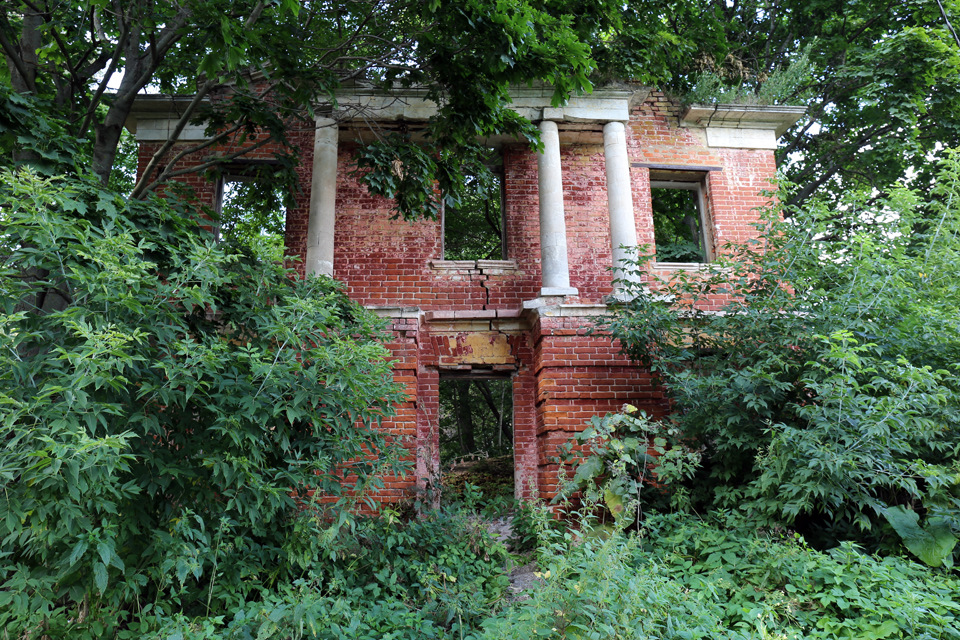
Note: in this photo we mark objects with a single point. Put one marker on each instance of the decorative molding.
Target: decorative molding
(777, 118)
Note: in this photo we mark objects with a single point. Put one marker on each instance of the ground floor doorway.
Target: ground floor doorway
(476, 436)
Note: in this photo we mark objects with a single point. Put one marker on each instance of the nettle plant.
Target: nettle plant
(627, 460)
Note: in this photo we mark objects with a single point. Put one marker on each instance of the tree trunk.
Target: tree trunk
(464, 414)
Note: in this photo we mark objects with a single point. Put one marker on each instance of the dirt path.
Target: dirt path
(522, 578)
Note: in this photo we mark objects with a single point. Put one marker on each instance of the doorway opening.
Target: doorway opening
(476, 437)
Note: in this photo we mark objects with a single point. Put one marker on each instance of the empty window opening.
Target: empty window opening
(474, 229)
(252, 202)
(476, 436)
(679, 224)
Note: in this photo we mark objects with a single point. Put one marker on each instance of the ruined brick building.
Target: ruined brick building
(566, 213)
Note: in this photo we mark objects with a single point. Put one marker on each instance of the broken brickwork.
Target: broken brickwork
(495, 317)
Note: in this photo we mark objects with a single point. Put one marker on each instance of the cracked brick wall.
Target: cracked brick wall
(456, 316)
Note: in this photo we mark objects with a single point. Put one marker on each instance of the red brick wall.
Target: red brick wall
(561, 376)
(579, 376)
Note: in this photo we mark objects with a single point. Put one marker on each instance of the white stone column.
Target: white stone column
(623, 226)
(323, 200)
(555, 271)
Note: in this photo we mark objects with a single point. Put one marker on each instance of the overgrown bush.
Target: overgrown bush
(824, 394)
(724, 579)
(627, 461)
(433, 577)
(771, 584)
(169, 406)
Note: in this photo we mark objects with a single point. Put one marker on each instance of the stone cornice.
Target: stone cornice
(777, 118)
(152, 115)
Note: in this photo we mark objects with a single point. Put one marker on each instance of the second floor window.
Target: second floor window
(474, 230)
(252, 201)
(679, 218)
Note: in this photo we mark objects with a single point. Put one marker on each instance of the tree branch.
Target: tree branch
(102, 87)
(837, 164)
(11, 51)
(166, 175)
(141, 187)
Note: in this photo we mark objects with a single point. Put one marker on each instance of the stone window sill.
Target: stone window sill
(483, 265)
(680, 266)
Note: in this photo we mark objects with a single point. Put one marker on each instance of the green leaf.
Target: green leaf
(100, 576)
(614, 502)
(589, 469)
(883, 630)
(932, 545)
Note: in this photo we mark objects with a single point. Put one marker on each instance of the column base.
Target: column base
(558, 291)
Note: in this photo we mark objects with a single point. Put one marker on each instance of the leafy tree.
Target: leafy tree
(824, 395)
(256, 67)
(165, 426)
(880, 79)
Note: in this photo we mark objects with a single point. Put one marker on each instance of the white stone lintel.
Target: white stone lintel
(159, 129)
(394, 312)
(554, 309)
(741, 138)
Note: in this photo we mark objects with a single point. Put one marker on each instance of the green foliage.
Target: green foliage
(825, 391)
(723, 579)
(627, 455)
(771, 584)
(432, 577)
(258, 69)
(933, 544)
(253, 208)
(677, 225)
(473, 230)
(726, 86)
(471, 53)
(593, 589)
(880, 81)
(168, 408)
(444, 563)
(528, 522)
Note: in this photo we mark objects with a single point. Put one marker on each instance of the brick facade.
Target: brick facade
(448, 318)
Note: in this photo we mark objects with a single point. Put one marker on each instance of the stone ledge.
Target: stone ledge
(680, 266)
(497, 264)
(559, 310)
(440, 315)
(394, 312)
(474, 265)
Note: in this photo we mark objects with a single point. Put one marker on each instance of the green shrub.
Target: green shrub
(169, 405)
(724, 579)
(378, 578)
(444, 562)
(592, 588)
(767, 582)
(628, 457)
(825, 392)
